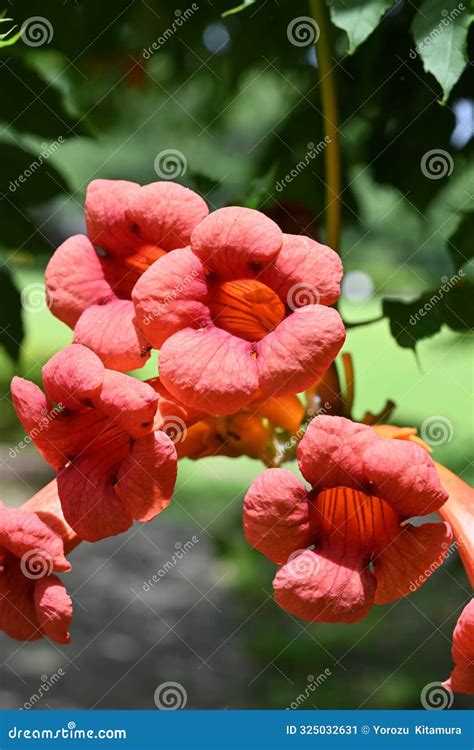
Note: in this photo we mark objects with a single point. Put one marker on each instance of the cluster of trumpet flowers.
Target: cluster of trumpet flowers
(243, 318)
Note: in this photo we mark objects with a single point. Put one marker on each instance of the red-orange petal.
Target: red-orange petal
(409, 560)
(458, 511)
(110, 331)
(53, 608)
(146, 479)
(276, 520)
(462, 676)
(325, 586)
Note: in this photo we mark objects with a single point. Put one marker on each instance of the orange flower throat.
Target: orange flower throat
(246, 308)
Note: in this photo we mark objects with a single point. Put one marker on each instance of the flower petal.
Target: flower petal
(337, 452)
(286, 412)
(458, 511)
(109, 330)
(304, 272)
(169, 296)
(53, 608)
(410, 559)
(75, 280)
(321, 586)
(130, 403)
(165, 213)
(27, 537)
(107, 225)
(47, 506)
(88, 498)
(17, 611)
(209, 369)
(299, 350)
(35, 411)
(58, 435)
(404, 474)
(147, 477)
(330, 452)
(276, 515)
(172, 415)
(73, 376)
(236, 242)
(462, 676)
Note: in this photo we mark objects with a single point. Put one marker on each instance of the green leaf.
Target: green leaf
(461, 243)
(30, 178)
(458, 307)
(238, 8)
(11, 325)
(450, 304)
(27, 179)
(19, 232)
(410, 322)
(358, 18)
(28, 104)
(440, 30)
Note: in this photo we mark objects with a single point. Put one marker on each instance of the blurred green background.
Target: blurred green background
(241, 104)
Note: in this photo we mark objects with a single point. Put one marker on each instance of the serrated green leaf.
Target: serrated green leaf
(358, 18)
(440, 30)
(11, 325)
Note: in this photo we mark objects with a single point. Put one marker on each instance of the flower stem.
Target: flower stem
(330, 119)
